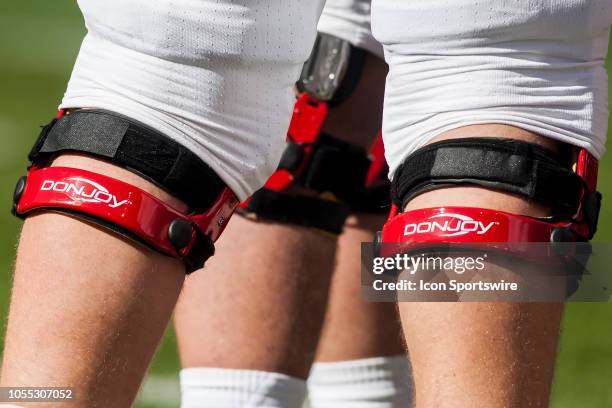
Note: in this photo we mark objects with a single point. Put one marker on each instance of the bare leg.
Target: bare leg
(88, 309)
(261, 301)
(270, 288)
(353, 328)
(482, 354)
(360, 358)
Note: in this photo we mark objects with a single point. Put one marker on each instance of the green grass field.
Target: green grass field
(41, 39)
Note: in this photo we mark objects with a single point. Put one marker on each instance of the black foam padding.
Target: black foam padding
(507, 165)
(203, 249)
(292, 157)
(337, 167)
(342, 168)
(311, 212)
(375, 200)
(132, 145)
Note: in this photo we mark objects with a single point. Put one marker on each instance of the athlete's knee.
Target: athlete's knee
(484, 190)
(469, 81)
(559, 183)
(82, 233)
(322, 177)
(129, 180)
(358, 119)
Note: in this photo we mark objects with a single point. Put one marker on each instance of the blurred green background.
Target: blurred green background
(40, 40)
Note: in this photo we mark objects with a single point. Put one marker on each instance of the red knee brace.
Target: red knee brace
(119, 206)
(125, 209)
(429, 227)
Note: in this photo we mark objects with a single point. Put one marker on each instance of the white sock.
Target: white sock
(229, 388)
(379, 382)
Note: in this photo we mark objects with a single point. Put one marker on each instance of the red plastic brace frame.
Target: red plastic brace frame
(305, 127)
(468, 225)
(120, 204)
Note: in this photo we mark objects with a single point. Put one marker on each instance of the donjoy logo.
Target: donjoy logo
(449, 225)
(84, 190)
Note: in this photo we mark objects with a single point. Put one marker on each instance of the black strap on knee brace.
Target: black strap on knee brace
(342, 176)
(335, 166)
(119, 206)
(312, 212)
(564, 183)
(117, 139)
(512, 166)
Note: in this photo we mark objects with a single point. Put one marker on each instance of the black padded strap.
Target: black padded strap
(375, 199)
(501, 164)
(338, 167)
(335, 167)
(143, 150)
(310, 212)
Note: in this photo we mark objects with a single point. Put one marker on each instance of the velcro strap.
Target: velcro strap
(310, 212)
(375, 199)
(342, 169)
(134, 146)
(500, 164)
(337, 167)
